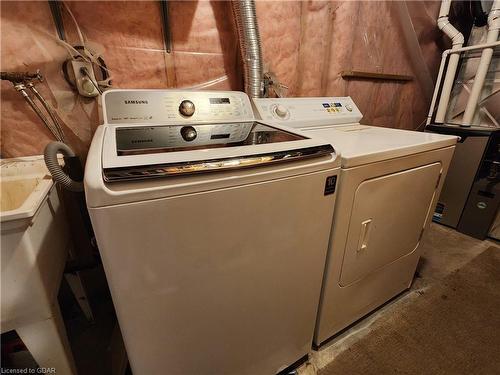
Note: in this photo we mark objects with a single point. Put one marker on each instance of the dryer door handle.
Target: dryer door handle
(364, 235)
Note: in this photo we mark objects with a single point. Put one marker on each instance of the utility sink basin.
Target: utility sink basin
(34, 247)
(24, 185)
(16, 192)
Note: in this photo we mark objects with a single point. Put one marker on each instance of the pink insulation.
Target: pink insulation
(306, 44)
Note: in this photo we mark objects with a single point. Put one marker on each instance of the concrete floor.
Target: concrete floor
(444, 250)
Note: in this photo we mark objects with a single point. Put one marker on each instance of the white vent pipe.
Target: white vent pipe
(249, 38)
(484, 63)
(441, 70)
(457, 40)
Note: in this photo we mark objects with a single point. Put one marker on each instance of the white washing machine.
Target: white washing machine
(213, 230)
(390, 181)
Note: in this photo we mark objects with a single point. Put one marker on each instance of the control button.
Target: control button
(188, 133)
(281, 110)
(348, 107)
(186, 108)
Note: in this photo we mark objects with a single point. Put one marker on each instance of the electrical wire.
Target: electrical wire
(86, 55)
(78, 31)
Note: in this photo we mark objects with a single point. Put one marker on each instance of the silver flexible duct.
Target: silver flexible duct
(50, 157)
(249, 39)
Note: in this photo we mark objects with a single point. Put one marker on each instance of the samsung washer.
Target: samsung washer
(213, 230)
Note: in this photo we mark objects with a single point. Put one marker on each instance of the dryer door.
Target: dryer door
(388, 216)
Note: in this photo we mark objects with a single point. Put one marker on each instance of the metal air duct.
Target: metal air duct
(249, 40)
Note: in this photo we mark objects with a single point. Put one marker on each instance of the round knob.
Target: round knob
(188, 133)
(348, 107)
(281, 110)
(186, 108)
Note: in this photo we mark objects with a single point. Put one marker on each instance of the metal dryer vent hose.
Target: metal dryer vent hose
(50, 157)
(249, 39)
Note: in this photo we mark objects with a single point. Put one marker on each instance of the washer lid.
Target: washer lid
(100, 193)
(144, 140)
(139, 152)
(362, 144)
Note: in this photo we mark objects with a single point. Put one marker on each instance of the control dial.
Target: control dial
(186, 108)
(188, 133)
(281, 111)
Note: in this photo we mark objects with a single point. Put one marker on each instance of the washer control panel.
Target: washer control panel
(307, 112)
(174, 106)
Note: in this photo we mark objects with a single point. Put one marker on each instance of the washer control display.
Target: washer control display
(219, 101)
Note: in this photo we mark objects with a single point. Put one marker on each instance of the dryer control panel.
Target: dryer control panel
(307, 112)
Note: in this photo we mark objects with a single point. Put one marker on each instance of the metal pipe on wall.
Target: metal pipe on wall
(250, 45)
(457, 40)
(484, 63)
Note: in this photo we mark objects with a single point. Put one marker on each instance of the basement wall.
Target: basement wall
(305, 44)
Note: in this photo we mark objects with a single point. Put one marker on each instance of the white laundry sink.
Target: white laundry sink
(34, 247)
(22, 196)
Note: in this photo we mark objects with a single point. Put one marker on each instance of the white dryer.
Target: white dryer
(390, 181)
(213, 230)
